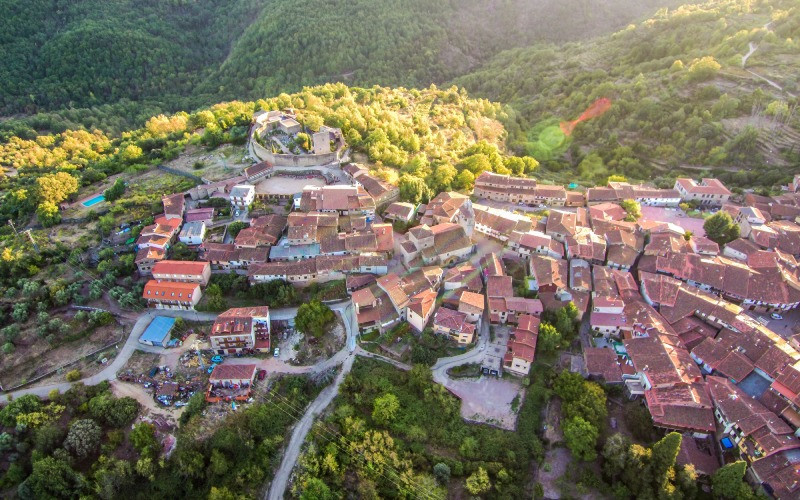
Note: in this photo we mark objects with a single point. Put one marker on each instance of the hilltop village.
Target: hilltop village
(622, 279)
(694, 329)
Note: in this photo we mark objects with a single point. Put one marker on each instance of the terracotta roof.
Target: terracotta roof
(704, 463)
(561, 222)
(602, 362)
(238, 320)
(401, 210)
(706, 186)
(499, 286)
(423, 302)
(149, 253)
(169, 290)
(180, 267)
(471, 302)
(453, 320)
(233, 372)
(199, 214)
(174, 204)
(735, 366)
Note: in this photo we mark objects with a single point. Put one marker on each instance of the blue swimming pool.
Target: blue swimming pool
(94, 201)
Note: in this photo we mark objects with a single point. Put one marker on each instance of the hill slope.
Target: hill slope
(185, 53)
(680, 95)
(87, 52)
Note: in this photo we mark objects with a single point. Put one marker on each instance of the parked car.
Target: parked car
(216, 359)
(277, 352)
(262, 374)
(775, 316)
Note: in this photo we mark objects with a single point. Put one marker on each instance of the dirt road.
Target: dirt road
(140, 394)
(301, 430)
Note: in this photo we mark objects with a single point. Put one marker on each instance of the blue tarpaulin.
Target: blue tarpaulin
(157, 332)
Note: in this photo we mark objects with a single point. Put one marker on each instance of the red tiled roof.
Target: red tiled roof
(169, 290)
(233, 372)
(182, 267)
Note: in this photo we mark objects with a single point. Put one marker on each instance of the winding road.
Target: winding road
(345, 357)
(752, 48)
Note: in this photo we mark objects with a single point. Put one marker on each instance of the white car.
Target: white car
(277, 352)
(775, 316)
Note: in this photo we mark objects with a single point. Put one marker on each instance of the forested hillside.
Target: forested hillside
(401, 42)
(181, 54)
(58, 54)
(680, 95)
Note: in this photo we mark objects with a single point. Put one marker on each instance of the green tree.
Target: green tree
(566, 320)
(57, 187)
(106, 223)
(51, 478)
(469, 447)
(316, 489)
(143, 439)
(615, 454)
(581, 438)
(235, 227)
(441, 472)
(632, 208)
(721, 228)
(591, 405)
(314, 318)
(116, 191)
(116, 412)
(704, 69)
(385, 408)
(214, 299)
(413, 189)
(6, 442)
(73, 375)
(549, 337)
(728, 482)
(28, 403)
(478, 483)
(48, 214)
(83, 438)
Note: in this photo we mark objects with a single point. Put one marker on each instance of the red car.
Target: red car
(262, 374)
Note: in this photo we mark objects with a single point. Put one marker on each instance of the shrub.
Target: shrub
(73, 375)
(83, 438)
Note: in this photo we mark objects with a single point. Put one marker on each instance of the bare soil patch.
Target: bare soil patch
(221, 163)
(308, 350)
(35, 356)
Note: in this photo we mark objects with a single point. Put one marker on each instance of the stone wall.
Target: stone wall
(284, 160)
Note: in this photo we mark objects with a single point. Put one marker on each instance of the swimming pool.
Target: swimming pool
(94, 201)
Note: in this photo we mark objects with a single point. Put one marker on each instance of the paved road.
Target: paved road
(109, 372)
(474, 355)
(344, 309)
(301, 430)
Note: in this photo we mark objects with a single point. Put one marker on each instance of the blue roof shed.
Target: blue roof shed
(157, 332)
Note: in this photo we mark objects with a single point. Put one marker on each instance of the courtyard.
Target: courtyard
(287, 186)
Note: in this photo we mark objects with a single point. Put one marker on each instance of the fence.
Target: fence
(181, 173)
(65, 365)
